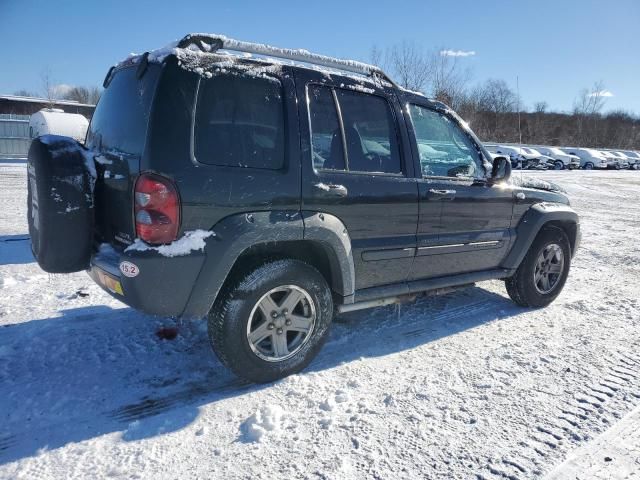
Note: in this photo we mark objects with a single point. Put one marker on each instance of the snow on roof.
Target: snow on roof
(19, 98)
(194, 45)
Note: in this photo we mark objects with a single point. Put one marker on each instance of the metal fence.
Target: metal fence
(14, 136)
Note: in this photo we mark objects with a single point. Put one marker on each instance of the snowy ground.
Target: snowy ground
(462, 386)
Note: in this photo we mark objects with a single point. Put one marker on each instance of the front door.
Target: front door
(357, 166)
(464, 221)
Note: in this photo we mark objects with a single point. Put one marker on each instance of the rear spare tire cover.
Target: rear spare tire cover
(60, 203)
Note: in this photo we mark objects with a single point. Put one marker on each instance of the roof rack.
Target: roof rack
(210, 43)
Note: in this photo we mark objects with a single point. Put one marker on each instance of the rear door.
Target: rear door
(356, 165)
(464, 221)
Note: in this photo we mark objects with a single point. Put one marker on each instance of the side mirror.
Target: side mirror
(501, 170)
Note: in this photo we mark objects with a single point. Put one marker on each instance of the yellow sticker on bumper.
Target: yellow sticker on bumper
(109, 282)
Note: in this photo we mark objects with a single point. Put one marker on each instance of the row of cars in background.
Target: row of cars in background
(538, 157)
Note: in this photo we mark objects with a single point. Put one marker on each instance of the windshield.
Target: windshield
(119, 124)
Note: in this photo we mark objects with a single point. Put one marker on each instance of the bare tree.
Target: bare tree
(87, 95)
(47, 86)
(587, 108)
(591, 101)
(25, 93)
(448, 80)
(376, 56)
(496, 98)
(409, 65)
(540, 107)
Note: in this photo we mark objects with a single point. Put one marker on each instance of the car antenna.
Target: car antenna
(519, 127)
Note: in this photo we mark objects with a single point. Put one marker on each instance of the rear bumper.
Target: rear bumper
(160, 286)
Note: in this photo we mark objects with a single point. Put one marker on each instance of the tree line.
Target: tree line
(495, 111)
(53, 92)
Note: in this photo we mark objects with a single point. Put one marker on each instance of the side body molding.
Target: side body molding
(329, 232)
(234, 235)
(531, 223)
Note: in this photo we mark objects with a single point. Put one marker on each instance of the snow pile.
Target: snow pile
(267, 420)
(191, 241)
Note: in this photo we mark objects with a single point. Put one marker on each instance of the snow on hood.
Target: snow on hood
(531, 182)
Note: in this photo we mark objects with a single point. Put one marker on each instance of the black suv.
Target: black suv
(268, 194)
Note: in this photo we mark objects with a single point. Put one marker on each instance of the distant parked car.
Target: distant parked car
(53, 121)
(625, 161)
(619, 161)
(590, 158)
(634, 159)
(561, 160)
(520, 158)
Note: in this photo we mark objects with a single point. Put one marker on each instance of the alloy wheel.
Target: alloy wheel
(280, 323)
(548, 268)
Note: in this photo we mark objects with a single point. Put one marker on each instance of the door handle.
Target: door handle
(332, 190)
(442, 194)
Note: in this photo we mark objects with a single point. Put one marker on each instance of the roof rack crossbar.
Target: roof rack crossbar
(211, 43)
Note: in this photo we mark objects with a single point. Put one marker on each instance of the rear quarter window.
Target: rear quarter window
(240, 122)
(119, 123)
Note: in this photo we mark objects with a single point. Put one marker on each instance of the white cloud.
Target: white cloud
(601, 93)
(457, 53)
(60, 90)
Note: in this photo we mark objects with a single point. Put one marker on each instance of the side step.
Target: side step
(409, 291)
(408, 298)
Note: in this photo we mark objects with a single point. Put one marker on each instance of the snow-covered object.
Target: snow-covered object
(196, 46)
(53, 121)
(264, 421)
(191, 241)
(60, 145)
(538, 183)
(205, 41)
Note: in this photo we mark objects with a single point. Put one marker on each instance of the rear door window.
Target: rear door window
(362, 139)
(240, 122)
(370, 134)
(326, 134)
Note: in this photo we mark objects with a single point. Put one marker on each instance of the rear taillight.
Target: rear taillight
(156, 209)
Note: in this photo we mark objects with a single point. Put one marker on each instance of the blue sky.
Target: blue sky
(555, 47)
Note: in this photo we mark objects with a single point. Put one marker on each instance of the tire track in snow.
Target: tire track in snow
(150, 406)
(592, 407)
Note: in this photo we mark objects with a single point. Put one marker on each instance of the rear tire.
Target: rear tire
(256, 336)
(527, 286)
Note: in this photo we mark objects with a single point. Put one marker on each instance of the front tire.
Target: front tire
(271, 322)
(558, 165)
(588, 166)
(543, 272)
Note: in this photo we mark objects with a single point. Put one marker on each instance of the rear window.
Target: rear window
(120, 121)
(239, 122)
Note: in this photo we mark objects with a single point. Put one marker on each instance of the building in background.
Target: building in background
(15, 112)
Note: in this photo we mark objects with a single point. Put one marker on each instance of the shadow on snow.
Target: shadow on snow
(16, 249)
(97, 370)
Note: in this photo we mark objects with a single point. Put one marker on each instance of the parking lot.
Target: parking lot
(447, 387)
